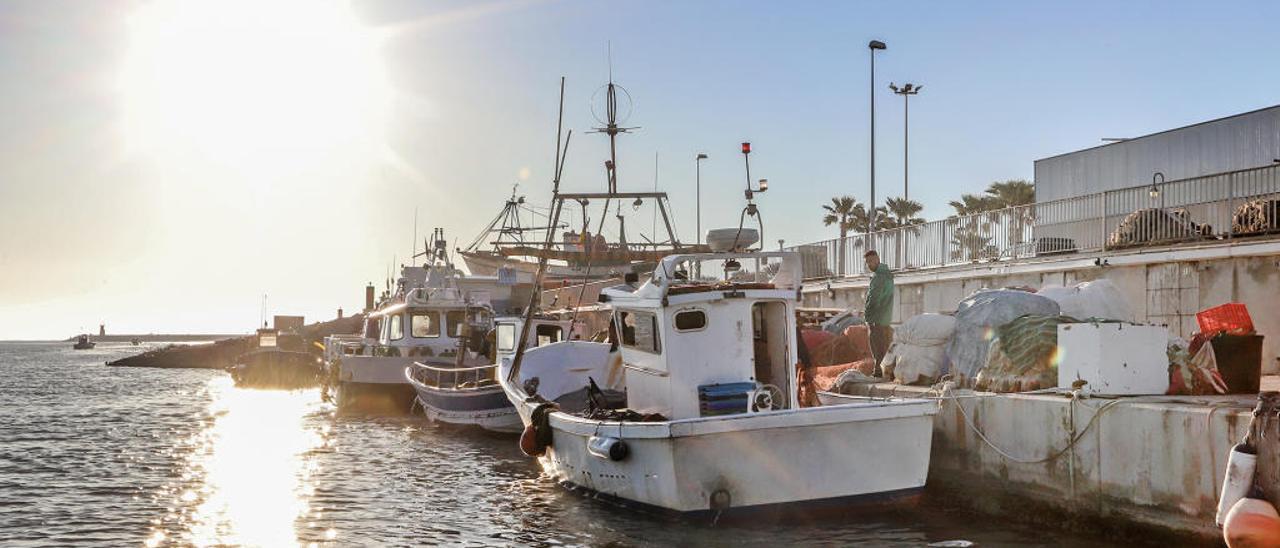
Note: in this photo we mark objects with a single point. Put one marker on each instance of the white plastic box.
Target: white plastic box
(1114, 358)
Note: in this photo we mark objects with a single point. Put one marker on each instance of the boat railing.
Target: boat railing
(455, 378)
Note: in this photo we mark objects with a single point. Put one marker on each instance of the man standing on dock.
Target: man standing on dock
(879, 308)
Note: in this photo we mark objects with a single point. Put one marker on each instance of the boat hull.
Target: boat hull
(276, 369)
(373, 384)
(484, 264)
(380, 398)
(810, 455)
(485, 407)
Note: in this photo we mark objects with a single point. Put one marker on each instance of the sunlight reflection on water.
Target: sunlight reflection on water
(251, 469)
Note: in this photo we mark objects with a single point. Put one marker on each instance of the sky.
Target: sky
(164, 165)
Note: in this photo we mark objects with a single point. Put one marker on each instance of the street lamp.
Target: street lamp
(906, 91)
(871, 218)
(1155, 189)
(697, 161)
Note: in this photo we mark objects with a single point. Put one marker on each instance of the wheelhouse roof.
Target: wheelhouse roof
(663, 282)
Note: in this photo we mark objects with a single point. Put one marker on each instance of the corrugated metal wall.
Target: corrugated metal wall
(1238, 142)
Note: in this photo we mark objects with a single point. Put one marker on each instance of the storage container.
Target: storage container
(1114, 358)
(1239, 361)
(1231, 317)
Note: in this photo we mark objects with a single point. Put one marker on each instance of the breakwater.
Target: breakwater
(221, 354)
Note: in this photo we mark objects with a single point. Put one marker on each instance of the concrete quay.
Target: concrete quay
(1138, 466)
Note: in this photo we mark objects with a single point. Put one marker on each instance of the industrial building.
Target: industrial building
(1233, 143)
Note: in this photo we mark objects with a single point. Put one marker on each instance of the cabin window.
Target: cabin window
(425, 324)
(371, 328)
(639, 330)
(690, 320)
(454, 320)
(396, 331)
(549, 333)
(506, 337)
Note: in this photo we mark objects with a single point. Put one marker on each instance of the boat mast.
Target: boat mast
(557, 205)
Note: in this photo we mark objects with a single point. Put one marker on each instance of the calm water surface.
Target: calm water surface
(93, 455)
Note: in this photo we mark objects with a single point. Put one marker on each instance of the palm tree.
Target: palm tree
(902, 212)
(1014, 192)
(841, 212)
(970, 204)
(972, 238)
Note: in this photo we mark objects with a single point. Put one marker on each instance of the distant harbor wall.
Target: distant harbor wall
(221, 354)
(1164, 286)
(154, 337)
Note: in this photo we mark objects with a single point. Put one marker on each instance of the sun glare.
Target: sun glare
(251, 84)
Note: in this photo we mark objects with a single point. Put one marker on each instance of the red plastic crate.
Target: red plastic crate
(1232, 318)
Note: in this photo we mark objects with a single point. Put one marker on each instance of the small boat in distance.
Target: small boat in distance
(135, 341)
(83, 343)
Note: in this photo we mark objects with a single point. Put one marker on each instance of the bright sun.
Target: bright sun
(251, 84)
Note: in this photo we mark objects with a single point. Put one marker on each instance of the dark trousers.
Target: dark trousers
(881, 338)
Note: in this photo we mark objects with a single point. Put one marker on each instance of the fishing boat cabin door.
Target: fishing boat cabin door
(770, 329)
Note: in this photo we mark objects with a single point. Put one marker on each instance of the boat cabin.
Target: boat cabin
(431, 323)
(710, 334)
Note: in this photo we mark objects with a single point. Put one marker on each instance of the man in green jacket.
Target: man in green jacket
(879, 307)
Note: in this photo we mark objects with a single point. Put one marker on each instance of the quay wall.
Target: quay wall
(1139, 465)
(1164, 286)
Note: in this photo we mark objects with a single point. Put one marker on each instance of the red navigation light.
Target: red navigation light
(746, 148)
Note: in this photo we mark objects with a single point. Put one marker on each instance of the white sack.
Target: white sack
(1099, 299)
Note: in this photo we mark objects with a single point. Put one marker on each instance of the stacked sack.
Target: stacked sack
(1023, 355)
(918, 353)
(977, 318)
(1098, 299)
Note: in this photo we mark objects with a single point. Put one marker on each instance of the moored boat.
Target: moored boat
(424, 320)
(279, 362)
(705, 416)
(472, 395)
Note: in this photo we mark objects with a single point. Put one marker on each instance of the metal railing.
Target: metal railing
(1235, 204)
(454, 378)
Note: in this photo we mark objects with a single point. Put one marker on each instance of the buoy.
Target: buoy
(1239, 478)
(529, 442)
(1252, 523)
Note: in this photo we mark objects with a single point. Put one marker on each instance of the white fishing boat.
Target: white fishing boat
(472, 396)
(426, 319)
(703, 412)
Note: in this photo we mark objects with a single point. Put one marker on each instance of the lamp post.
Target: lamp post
(871, 213)
(906, 91)
(1155, 189)
(697, 161)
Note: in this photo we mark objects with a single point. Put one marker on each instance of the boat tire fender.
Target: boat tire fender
(607, 447)
(537, 437)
